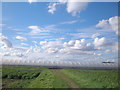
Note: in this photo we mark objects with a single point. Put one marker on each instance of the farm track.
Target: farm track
(65, 78)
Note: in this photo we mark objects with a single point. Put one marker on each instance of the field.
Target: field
(37, 77)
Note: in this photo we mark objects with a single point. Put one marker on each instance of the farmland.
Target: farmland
(38, 77)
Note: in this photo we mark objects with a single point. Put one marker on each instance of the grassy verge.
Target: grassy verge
(44, 80)
(47, 79)
(59, 83)
(93, 78)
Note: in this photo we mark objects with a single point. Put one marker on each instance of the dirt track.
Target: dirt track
(65, 78)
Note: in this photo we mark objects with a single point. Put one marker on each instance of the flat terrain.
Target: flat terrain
(37, 77)
(65, 78)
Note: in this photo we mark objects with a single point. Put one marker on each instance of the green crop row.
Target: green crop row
(17, 73)
(21, 76)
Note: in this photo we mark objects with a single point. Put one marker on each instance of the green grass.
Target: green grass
(47, 79)
(43, 81)
(93, 78)
(37, 77)
(25, 77)
(59, 83)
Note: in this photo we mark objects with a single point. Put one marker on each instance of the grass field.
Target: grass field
(37, 77)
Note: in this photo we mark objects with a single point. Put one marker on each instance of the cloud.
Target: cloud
(54, 53)
(35, 42)
(51, 44)
(30, 1)
(52, 50)
(101, 42)
(81, 45)
(110, 24)
(21, 38)
(75, 7)
(41, 37)
(104, 45)
(5, 42)
(13, 53)
(1, 25)
(70, 43)
(70, 22)
(72, 46)
(95, 35)
(24, 44)
(115, 47)
(52, 7)
(79, 35)
(72, 7)
(76, 47)
(99, 45)
(43, 42)
(36, 30)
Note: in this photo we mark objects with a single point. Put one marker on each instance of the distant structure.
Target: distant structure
(108, 62)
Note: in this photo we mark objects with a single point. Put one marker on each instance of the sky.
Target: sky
(79, 32)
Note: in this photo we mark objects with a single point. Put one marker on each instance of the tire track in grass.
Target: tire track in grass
(65, 78)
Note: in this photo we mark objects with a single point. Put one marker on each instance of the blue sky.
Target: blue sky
(87, 29)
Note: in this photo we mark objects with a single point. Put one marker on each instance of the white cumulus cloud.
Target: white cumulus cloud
(73, 7)
(5, 42)
(100, 42)
(51, 44)
(110, 24)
